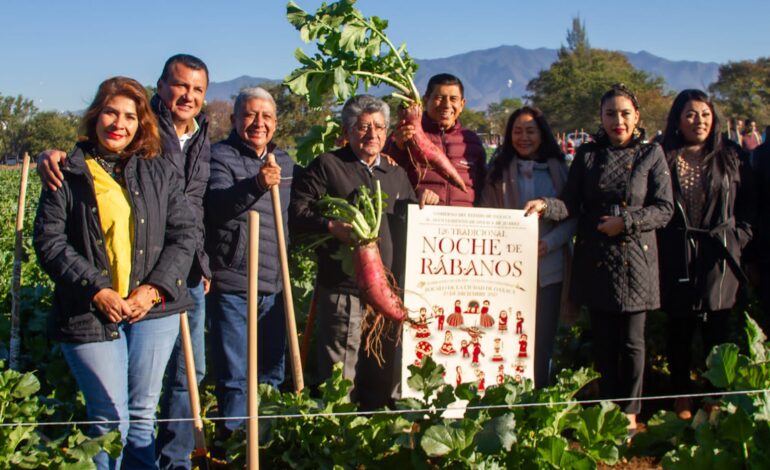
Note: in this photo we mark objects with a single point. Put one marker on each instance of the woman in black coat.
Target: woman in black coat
(619, 188)
(117, 239)
(701, 246)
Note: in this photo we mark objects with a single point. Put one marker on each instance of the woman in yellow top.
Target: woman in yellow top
(117, 240)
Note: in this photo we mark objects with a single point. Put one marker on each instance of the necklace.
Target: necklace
(113, 165)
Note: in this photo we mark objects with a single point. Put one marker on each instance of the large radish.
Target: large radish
(424, 151)
(372, 278)
(373, 283)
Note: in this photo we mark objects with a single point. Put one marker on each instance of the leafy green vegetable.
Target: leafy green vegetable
(353, 51)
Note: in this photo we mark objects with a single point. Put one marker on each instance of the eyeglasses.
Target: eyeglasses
(365, 128)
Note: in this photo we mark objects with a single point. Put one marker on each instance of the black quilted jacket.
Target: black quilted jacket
(69, 244)
(616, 274)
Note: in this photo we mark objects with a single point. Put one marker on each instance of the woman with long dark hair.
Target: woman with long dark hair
(701, 246)
(117, 239)
(529, 165)
(619, 188)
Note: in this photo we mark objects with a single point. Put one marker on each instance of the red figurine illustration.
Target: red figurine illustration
(459, 375)
(464, 349)
(473, 307)
(500, 374)
(447, 349)
(502, 322)
(476, 353)
(456, 318)
(523, 346)
(421, 326)
(486, 320)
(480, 377)
(519, 322)
(519, 369)
(422, 350)
(497, 357)
(439, 317)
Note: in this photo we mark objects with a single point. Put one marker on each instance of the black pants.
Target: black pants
(546, 325)
(714, 328)
(618, 339)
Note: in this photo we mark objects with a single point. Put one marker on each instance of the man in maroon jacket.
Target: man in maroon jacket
(443, 102)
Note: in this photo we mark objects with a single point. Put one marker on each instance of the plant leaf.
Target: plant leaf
(721, 363)
(441, 439)
(497, 434)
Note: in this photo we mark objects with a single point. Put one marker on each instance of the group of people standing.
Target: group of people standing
(145, 219)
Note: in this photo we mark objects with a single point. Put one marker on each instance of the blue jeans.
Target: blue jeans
(121, 380)
(175, 439)
(228, 340)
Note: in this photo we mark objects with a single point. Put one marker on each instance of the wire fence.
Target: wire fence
(309, 416)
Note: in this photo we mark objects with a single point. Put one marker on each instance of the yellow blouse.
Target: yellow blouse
(117, 223)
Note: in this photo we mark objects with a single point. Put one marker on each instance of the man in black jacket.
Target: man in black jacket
(241, 178)
(340, 309)
(184, 138)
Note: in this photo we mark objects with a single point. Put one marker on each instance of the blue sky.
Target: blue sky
(57, 52)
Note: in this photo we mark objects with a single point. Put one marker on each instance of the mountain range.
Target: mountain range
(490, 75)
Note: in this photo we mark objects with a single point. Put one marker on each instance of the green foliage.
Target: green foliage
(498, 113)
(497, 430)
(353, 51)
(15, 113)
(296, 117)
(743, 89)
(734, 434)
(25, 445)
(51, 130)
(319, 139)
(569, 91)
(475, 121)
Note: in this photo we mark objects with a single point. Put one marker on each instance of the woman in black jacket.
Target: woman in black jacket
(117, 239)
(620, 190)
(701, 247)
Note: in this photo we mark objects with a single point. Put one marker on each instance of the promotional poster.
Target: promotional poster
(470, 289)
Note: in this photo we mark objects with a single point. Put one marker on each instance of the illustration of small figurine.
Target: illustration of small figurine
(473, 307)
(440, 318)
(519, 369)
(517, 377)
(480, 377)
(459, 375)
(422, 350)
(486, 320)
(523, 346)
(456, 318)
(476, 353)
(519, 322)
(497, 357)
(500, 374)
(502, 322)
(421, 326)
(447, 349)
(474, 332)
(464, 349)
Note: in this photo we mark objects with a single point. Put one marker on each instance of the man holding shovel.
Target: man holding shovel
(241, 178)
